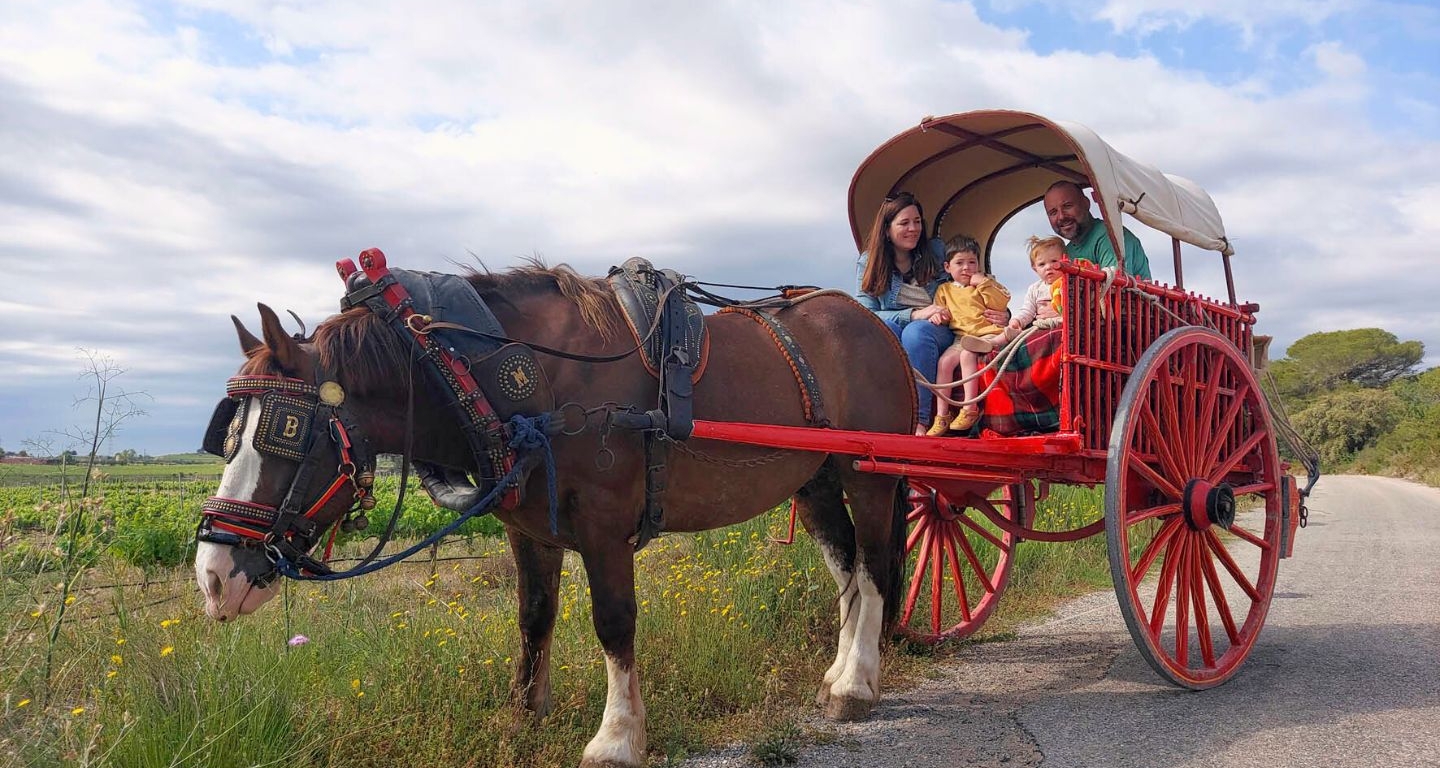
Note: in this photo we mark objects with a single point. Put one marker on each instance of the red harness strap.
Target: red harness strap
(454, 371)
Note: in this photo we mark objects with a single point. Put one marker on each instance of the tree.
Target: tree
(1363, 357)
(1339, 424)
(127, 456)
(113, 407)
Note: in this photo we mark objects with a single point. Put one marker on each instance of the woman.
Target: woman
(897, 275)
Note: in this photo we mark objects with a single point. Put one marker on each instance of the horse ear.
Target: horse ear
(248, 343)
(282, 345)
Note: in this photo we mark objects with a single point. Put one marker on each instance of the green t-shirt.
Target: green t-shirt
(1094, 245)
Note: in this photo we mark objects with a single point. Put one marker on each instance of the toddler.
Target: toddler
(1042, 298)
(967, 296)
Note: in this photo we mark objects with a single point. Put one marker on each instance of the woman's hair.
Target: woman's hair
(961, 244)
(1037, 245)
(881, 252)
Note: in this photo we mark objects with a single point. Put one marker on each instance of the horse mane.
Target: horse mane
(591, 296)
(365, 353)
(368, 354)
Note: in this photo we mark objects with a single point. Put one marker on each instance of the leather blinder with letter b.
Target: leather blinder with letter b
(284, 428)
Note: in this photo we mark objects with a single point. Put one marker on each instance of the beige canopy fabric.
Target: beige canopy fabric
(974, 170)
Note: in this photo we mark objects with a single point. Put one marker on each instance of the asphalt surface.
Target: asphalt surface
(1345, 673)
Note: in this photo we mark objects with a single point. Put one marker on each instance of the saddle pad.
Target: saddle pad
(638, 286)
(507, 373)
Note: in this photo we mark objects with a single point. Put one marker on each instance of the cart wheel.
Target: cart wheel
(1192, 438)
(959, 562)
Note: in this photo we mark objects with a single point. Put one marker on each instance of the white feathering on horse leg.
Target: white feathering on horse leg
(621, 738)
(858, 687)
(845, 581)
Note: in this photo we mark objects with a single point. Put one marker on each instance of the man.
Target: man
(1069, 212)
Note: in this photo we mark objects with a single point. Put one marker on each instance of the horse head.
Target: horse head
(297, 460)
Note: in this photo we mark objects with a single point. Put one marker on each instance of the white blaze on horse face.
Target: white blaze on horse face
(621, 738)
(227, 589)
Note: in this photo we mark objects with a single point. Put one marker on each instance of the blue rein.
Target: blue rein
(528, 438)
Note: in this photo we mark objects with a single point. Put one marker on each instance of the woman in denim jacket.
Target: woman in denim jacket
(897, 275)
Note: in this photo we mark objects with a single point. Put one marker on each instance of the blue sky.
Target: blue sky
(164, 165)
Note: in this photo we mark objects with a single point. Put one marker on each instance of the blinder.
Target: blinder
(222, 437)
(285, 426)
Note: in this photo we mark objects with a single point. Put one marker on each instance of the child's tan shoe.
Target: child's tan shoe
(965, 419)
(939, 427)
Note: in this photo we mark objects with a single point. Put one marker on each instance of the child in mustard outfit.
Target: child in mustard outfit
(966, 298)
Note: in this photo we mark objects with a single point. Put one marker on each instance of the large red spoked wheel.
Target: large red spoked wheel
(1191, 452)
(959, 563)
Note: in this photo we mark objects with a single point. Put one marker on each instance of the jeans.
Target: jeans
(923, 343)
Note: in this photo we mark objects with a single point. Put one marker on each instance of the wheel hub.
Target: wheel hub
(1208, 504)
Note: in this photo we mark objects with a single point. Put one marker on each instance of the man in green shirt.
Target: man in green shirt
(1069, 214)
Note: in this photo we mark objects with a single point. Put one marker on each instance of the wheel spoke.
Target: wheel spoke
(919, 530)
(1162, 447)
(950, 543)
(1223, 469)
(1182, 604)
(917, 579)
(1152, 550)
(1189, 370)
(974, 560)
(1162, 590)
(1141, 515)
(1223, 555)
(1222, 606)
(1207, 408)
(1241, 490)
(974, 526)
(1242, 533)
(937, 580)
(1171, 411)
(1197, 593)
(1149, 473)
(1227, 422)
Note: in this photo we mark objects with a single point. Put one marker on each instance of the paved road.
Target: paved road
(1346, 672)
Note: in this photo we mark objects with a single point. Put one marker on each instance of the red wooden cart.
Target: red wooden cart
(1159, 401)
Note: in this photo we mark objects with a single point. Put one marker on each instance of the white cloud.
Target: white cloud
(155, 179)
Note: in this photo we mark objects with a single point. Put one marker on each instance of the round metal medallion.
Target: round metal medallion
(518, 376)
(331, 393)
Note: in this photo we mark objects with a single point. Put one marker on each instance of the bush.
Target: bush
(1339, 424)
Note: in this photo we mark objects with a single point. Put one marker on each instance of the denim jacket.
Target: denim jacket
(888, 305)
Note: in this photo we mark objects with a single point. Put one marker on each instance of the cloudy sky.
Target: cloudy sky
(166, 164)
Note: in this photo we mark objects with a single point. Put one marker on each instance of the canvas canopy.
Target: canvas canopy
(975, 170)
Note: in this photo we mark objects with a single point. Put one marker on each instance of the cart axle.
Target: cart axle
(1208, 504)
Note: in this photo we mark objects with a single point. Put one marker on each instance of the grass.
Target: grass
(208, 468)
(412, 664)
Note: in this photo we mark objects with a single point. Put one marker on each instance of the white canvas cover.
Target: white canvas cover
(973, 171)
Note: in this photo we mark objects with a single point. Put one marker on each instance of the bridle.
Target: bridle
(289, 411)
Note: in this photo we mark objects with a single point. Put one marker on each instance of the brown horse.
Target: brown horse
(863, 379)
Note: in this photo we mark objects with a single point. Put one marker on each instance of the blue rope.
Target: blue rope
(529, 437)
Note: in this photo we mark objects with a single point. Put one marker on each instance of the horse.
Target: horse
(862, 375)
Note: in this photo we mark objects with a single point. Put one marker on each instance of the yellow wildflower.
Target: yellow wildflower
(77, 710)
(166, 651)
(23, 703)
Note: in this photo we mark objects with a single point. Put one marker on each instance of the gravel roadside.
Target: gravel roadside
(968, 713)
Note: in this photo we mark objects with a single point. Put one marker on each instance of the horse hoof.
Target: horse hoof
(845, 708)
(822, 696)
(607, 764)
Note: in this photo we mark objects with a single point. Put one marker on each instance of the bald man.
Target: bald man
(1069, 212)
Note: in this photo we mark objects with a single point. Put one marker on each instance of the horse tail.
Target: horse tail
(895, 573)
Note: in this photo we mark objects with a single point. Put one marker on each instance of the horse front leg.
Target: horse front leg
(621, 738)
(537, 569)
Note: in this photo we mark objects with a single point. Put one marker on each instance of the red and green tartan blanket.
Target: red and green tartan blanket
(1027, 399)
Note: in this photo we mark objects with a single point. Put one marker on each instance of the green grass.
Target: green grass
(208, 468)
(733, 634)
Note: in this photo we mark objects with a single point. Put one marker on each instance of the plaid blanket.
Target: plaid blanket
(1027, 399)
